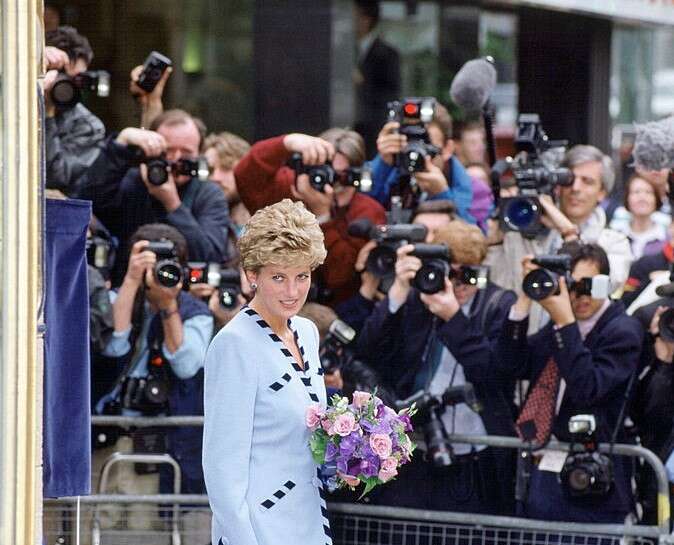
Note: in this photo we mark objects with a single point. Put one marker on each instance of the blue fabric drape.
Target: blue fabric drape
(66, 412)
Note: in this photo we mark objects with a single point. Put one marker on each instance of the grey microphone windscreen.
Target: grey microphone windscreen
(654, 145)
(473, 84)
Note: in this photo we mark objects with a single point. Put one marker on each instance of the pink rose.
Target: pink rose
(381, 445)
(360, 399)
(313, 415)
(388, 469)
(345, 424)
(349, 479)
(328, 426)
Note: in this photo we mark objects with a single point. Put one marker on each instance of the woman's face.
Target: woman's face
(641, 198)
(282, 290)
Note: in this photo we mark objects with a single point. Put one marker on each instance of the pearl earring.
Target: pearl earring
(253, 285)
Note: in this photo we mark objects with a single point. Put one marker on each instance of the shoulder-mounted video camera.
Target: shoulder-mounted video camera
(67, 90)
(413, 113)
(325, 174)
(535, 174)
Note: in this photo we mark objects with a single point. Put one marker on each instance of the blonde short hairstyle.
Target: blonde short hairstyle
(282, 234)
(466, 242)
(348, 143)
(229, 147)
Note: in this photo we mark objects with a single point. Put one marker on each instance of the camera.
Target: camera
(67, 90)
(100, 252)
(148, 394)
(587, 473)
(333, 352)
(227, 281)
(438, 447)
(389, 237)
(435, 259)
(153, 68)
(167, 270)
(325, 174)
(535, 173)
(413, 114)
(543, 282)
(158, 168)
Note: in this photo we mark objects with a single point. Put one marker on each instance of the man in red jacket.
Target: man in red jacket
(263, 178)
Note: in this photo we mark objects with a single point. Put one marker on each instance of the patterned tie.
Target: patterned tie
(535, 420)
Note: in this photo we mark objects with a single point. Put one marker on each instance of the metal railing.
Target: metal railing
(373, 525)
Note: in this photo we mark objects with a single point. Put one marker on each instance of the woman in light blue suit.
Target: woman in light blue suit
(262, 372)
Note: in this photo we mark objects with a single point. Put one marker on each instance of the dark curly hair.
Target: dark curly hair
(73, 43)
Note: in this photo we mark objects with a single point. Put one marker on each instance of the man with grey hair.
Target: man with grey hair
(577, 216)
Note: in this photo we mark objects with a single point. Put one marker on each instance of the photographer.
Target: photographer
(444, 176)
(579, 363)
(263, 178)
(418, 341)
(124, 199)
(163, 333)
(73, 135)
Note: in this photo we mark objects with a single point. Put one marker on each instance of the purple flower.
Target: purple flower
(405, 419)
(369, 467)
(348, 444)
(331, 452)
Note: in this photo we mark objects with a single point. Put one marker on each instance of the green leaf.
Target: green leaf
(370, 483)
(318, 442)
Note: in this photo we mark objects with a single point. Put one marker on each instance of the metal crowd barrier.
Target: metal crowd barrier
(360, 524)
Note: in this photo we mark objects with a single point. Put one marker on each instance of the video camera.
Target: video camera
(438, 447)
(587, 473)
(413, 114)
(159, 168)
(544, 282)
(535, 173)
(325, 174)
(227, 281)
(67, 90)
(389, 237)
(333, 352)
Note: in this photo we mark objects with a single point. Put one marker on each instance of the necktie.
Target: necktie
(535, 420)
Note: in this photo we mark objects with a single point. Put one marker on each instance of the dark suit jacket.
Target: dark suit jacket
(121, 201)
(596, 371)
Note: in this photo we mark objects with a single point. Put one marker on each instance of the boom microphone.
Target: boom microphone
(654, 145)
(473, 85)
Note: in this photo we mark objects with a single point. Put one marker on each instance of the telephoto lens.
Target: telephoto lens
(521, 213)
(157, 170)
(167, 271)
(539, 284)
(430, 278)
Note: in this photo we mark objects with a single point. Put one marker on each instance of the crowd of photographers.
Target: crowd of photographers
(497, 316)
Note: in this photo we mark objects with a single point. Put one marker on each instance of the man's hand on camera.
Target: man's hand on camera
(406, 268)
(390, 142)
(223, 315)
(444, 303)
(432, 181)
(141, 94)
(554, 218)
(152, 143)
(166, 193)
(559, 306)
(160, 296)
(664, 350)
(140, 261)
(315, 151)
(55, 58)
(368, 281)
(319, 203)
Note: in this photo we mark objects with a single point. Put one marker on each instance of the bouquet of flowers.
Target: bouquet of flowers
(366, 440)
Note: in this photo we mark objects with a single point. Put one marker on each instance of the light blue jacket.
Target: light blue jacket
(261, 479)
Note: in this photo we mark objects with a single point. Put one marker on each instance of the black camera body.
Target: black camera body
(158, 169)
(227, 281)
(413, 113)
(153, 68)
(544, 282)
(587, 473)
(382, 259)
(438, 447)
(533, 177)
(322, 175)
(67, 90)
(167, 270)
(435, 260)
(148, 394)
(333, 351)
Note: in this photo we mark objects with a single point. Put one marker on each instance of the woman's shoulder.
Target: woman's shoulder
(305, 326)
(237, 330)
